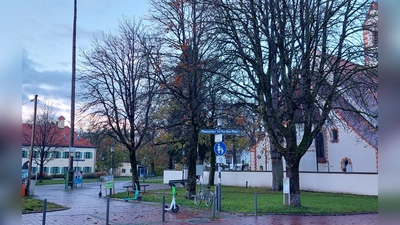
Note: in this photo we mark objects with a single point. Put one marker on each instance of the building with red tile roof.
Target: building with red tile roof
(57, 149)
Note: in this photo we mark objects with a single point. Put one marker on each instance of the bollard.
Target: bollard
(246, 183)
(44, 211)
(255, 203)
(163, 208)
(108, 207)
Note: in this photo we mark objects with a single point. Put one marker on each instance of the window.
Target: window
(123, 170)
(24, 154)
(87, 169)
(335, 136)
(320, 148)
(46, 169)
(35, 154)
(77, 168)
(88, 155)
(64, 169)
(55, 170)
(78, 155)
(56, 154)
(46, 155)
(346, 165)
(130, 170)
(65, 155)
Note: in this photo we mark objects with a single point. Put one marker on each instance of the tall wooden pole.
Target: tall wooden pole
(72, 131)
(31, 149)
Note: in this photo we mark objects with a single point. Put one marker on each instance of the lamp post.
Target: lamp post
(144, 168)
(111, 163)
(102, 164)
(77, 156)
(183, 165)
(31, 149)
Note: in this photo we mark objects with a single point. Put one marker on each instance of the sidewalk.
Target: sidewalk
(87, 208)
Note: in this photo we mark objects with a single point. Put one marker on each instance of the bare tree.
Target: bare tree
(188, 65)
(117, 87)
(47, 139)
(293, 57)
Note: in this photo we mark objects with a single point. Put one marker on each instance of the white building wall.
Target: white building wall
(353, 183)
(362, 156)
(63, 162)
(350, 146)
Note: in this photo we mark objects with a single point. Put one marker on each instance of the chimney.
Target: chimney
(60, 122)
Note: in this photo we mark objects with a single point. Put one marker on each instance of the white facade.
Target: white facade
(59, 164)
(361, 157)
(126, 171)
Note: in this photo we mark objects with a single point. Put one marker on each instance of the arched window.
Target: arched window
(320, 148)
(346, 165)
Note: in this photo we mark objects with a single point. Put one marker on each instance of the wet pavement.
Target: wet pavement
(85, 207)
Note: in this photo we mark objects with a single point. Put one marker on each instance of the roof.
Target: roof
(59, 139)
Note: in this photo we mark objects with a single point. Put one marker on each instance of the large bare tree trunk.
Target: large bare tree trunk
(191, 161)
(135, 175)
(292, 171)
(277, 168)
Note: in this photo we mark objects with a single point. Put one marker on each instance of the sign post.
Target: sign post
(220, 150)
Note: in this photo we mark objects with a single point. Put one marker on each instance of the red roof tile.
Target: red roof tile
(61, 137)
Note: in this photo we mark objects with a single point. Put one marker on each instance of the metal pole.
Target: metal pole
(31, 149)
(72, 130)
(102, 165)
(111, 170)
(214, 200)
(44, 211)
(163, 207)
(108, 207)
(219, 187)
(255, 203)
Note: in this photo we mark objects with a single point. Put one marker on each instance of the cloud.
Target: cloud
(54, 86)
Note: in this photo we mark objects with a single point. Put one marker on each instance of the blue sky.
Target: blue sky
(46, 36)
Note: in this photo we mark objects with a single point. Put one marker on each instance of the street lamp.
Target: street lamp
(77, 156)
(102, 164)
(111, 170)
(183, 164)
(144, 168)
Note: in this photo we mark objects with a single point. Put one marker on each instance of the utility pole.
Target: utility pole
(31, 150)
(72, 131)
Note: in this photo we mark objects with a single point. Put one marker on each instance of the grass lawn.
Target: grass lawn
(241, 199)
(30, 205)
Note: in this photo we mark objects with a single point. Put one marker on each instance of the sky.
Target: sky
(46, 31)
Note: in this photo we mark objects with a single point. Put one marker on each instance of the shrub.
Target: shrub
(44, 175)
(98, 174)
(89, 176)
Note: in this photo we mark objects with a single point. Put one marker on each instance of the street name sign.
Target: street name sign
(218, 131)
(220, 148)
